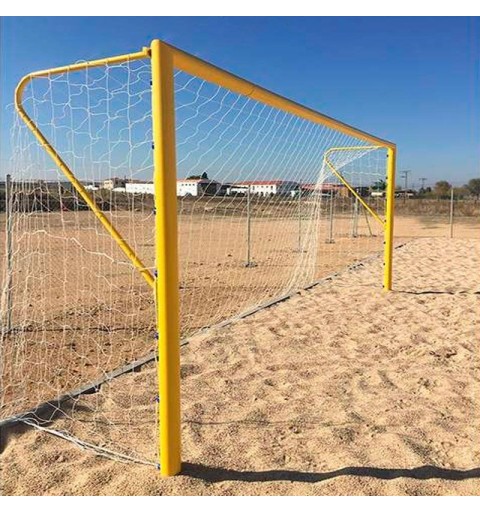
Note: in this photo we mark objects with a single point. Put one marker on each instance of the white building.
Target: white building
(197, 187)
(187, 187)
(139, 187)
(113, 183)
(265, 188)
(235, 189)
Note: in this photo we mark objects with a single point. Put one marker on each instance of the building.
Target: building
(92, 186)
(338, 189)
(114, 183)
(405, 193)
(265, 188)
(139, 187)
(197, 187)
(186, 187)
(323, 189)
(232, 189)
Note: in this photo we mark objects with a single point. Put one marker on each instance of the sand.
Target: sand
(80, 309)
(340, 390)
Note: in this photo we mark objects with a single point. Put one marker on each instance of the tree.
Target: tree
(203, 176)
(460, 192)
(473, 186)
(442, 188)
(379, 185)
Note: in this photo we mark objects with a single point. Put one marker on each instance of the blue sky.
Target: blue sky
(414, 81)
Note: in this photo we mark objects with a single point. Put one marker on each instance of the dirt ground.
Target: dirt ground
(342, 389)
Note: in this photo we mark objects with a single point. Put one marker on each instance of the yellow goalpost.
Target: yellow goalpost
(165, 61)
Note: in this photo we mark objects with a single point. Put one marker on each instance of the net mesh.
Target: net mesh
(255, 227)
(263, 211)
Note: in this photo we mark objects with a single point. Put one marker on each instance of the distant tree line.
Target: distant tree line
(442, 189)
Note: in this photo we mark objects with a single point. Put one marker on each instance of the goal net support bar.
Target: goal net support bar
(69, 174)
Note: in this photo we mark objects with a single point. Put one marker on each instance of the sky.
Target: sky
(414, 81)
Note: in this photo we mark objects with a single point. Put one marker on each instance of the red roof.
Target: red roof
(196, 180)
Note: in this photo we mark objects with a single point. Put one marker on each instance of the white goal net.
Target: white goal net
(268, 204)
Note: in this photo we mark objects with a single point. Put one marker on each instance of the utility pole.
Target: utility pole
(405, 177)
(423, 180)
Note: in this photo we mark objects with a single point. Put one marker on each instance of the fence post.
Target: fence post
(451, 212)
(355, 219)
(330, 239)
(367, 220)
(249, 230)
(166, 255)
(299, 218)
(249, 262)
(9, 252)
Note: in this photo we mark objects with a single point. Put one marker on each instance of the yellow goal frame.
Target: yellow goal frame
(164, 59)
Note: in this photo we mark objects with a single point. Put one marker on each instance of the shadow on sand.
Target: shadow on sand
(438, 292)
(212, 474)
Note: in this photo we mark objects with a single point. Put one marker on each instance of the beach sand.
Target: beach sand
(343, 389)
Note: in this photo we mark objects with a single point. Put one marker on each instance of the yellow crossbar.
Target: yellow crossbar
(202, 69)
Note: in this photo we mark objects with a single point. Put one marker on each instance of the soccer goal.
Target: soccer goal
(153, 196)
